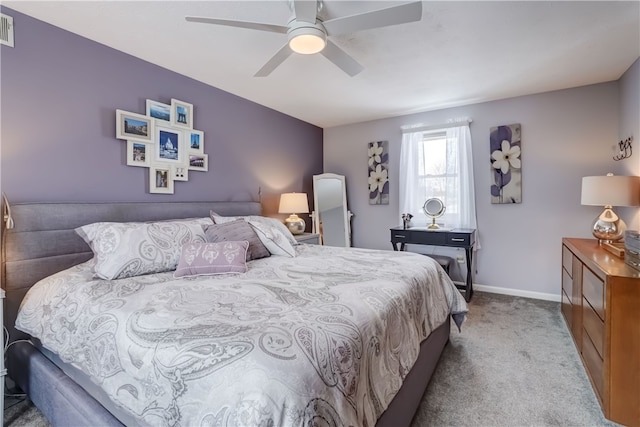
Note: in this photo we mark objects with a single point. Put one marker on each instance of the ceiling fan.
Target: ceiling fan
(307, 33)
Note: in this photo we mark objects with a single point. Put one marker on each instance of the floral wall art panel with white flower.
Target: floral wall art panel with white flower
(506, 164)
(378, 173)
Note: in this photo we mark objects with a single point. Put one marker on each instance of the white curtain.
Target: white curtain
(459, 189)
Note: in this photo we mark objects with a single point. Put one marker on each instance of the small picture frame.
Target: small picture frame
(169, 145)
(139, 154)
(159, 111)
(160, 179)
(195, 141)
(181, 114)
(180, 172)
(198, 162)
(134, 127)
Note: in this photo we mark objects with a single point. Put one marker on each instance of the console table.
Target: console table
(457, 237)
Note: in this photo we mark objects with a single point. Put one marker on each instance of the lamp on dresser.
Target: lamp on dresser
(609, 191)
(294, 203)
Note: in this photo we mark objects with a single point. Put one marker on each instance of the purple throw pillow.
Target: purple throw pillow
(236, 231)
(212, 258)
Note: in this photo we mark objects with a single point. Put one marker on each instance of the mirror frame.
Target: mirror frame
(315, 215)
(433, 216)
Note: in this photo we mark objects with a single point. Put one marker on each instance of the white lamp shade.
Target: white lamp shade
(293, 203)
(611, 190)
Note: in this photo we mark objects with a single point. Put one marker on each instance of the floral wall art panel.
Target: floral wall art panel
(506, 164)
(379, 173)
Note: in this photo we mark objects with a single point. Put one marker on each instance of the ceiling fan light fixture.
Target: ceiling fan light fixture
(307, 40)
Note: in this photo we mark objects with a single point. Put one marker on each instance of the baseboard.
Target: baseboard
(515, 292)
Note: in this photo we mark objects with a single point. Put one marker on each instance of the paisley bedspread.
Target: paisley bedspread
(324, 338)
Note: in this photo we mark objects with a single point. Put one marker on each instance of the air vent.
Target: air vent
(6, 30)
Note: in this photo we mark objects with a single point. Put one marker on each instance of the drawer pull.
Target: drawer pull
(633, 252)
(633, 263)
(457, 239)
(400, 236)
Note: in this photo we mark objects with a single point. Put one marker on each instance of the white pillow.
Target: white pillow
(127, 249)
(273, 234)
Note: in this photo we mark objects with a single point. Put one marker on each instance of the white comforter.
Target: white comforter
(327, 336)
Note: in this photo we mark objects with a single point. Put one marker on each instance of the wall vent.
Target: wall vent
(6, 30)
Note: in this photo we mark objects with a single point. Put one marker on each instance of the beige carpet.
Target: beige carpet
(514, 364)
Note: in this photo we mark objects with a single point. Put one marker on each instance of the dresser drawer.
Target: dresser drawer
(418, 237)
(567, 283)
(567, 261)
(567, 309)
(593, 291)
(594, 327)
(594, 365)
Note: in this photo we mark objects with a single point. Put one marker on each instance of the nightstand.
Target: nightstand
(308, 238)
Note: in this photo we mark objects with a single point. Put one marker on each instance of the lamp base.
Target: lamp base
(608, 227)
(295, 224)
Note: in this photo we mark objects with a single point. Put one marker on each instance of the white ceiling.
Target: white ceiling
(459, 53)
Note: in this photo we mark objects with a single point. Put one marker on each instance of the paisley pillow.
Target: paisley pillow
(127, 249)
(212, 258)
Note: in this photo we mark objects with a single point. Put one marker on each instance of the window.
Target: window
(438, 163)
(436, 171)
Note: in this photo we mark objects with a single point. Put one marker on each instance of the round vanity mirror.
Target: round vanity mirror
(433, 208)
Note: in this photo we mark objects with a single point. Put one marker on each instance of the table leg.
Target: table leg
(469, 282)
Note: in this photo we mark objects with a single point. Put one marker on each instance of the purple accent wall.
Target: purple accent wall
(59, 93)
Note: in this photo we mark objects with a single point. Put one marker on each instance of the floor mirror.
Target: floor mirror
(331, 217)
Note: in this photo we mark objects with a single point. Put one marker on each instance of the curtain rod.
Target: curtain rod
(412, 129)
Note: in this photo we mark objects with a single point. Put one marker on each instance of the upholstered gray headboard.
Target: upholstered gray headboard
(43, 240)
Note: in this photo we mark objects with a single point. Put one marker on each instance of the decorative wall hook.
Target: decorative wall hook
(624, 149)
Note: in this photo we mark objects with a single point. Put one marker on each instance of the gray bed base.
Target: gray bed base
(44, 242)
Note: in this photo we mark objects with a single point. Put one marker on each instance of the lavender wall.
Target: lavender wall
(59, 96)
(630, 127)
(566, 135)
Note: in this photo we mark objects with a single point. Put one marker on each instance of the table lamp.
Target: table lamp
(294, 203)
(609, 191)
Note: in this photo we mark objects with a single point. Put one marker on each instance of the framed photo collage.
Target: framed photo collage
(164, 141)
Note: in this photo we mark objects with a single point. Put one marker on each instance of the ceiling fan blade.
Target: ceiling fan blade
(341, 59)
(305, 10)
(408, 12)
(275, 60)
(241, 24)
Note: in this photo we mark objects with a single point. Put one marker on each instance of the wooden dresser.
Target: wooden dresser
(601, 305)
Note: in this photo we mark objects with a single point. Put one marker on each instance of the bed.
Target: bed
(331, 336)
